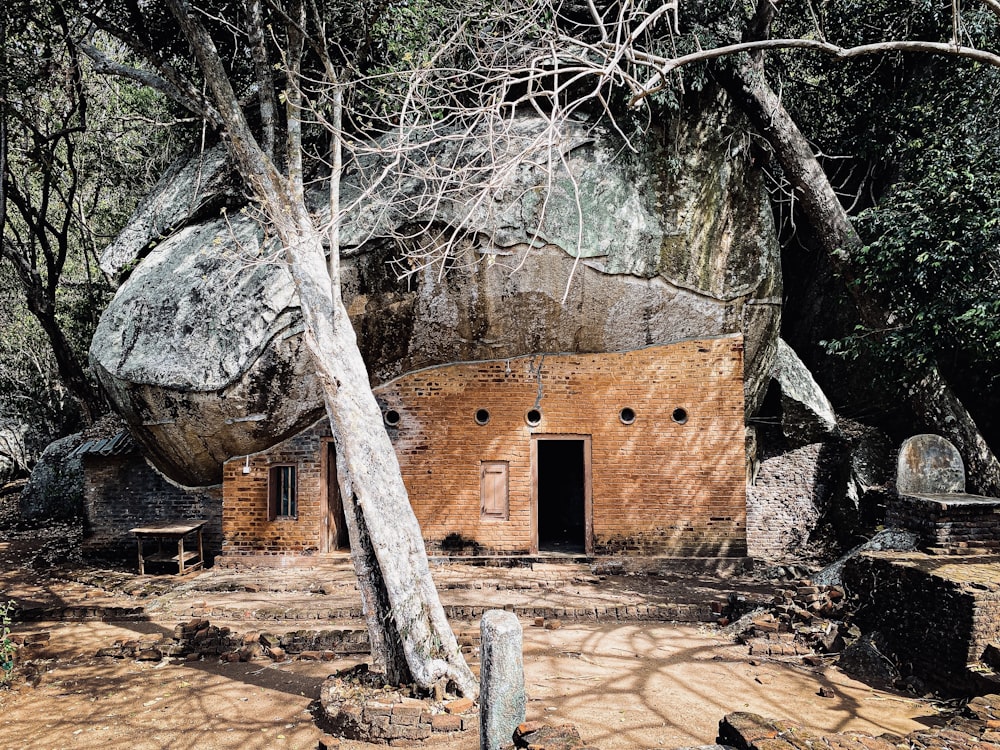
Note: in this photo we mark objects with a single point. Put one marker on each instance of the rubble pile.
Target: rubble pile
(977, 727)
(537, 735)
(802, 619)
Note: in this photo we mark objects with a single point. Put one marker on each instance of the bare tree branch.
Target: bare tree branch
(666, 66)
(106, 65)
(993, 5)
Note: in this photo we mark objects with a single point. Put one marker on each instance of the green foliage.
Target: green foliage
(911, 143)
(933, 240)
(7, 647)
(80, 150)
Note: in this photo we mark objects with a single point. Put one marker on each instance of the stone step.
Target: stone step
(675, 612)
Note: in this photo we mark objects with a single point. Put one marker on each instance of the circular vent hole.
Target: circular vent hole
(392, 418)
(482, 416)
(680, 416)
(627, 415)
(533, 417)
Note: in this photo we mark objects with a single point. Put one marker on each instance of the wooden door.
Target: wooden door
(334, 524)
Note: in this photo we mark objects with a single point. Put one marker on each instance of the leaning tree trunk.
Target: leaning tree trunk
(409, 631)
(404, 613)
(930, 396)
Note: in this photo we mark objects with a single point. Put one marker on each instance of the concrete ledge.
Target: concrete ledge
(318, 560)
(604, 564)
(723, 567)
(94, 613)
(672, 612)
(950, 500)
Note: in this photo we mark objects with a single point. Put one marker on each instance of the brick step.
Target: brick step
(675, 612)
(80, 614)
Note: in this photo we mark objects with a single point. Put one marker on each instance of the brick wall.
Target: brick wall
(789, 496)
(245, 525)
(936, 616)
(658, 486)
(123, 491)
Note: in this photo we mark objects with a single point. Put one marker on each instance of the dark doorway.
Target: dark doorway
(335, 524)
(562, 493)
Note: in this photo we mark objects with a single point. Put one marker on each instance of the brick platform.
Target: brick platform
(938, 615)
(952, 524)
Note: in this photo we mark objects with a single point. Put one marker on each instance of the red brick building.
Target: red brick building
(637, 452)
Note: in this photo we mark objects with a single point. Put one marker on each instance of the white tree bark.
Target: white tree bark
(401, 603)
(409, 632)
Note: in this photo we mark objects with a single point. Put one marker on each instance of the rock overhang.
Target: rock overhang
(201, 348)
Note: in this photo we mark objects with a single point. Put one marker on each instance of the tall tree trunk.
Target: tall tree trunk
(402, 607)
(930, 396)
(71, 372)
(409, 632)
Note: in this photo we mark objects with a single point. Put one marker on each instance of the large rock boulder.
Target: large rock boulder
(201, 348)
(806, 414)
(55, 490)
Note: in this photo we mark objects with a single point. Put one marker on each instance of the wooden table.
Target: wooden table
(171, 532)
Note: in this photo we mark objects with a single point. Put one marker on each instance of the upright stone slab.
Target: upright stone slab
(929, 465)
(502, 701)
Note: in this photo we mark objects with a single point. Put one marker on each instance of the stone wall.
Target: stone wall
(668, 479)
(788, 497)
(123, 491)
(935, 616)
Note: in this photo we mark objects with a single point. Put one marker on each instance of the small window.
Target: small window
(482, 416)
(282, 492)
(533, 417)
(680, 415)
(493, 490)
(392, 418)
(627, 415)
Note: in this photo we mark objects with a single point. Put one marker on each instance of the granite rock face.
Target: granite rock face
(201, 349)
(55, 490)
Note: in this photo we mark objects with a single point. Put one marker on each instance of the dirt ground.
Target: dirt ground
(624, 685)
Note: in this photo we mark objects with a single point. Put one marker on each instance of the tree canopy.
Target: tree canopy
(77, 151)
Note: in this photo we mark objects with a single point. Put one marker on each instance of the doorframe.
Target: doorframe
(326, 452)
(588, 498)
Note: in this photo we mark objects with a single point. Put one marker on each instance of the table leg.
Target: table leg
(180, 554)
(142, 566)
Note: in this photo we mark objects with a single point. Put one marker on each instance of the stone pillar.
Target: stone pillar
(502, 701)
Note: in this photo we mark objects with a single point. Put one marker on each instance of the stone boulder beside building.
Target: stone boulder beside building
(201, 349)
(55, 490)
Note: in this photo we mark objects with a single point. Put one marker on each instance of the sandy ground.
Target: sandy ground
(627, 685)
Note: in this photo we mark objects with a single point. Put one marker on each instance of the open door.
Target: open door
(562, 489)
(334, 530)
